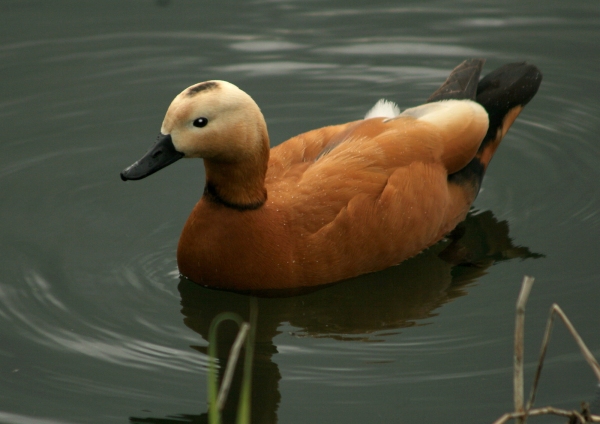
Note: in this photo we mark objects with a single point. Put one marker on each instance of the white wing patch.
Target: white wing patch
(383, 109)
(450, 113)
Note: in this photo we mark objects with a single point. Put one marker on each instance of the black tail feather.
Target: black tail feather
(462, 82)
(502, 92)
(509, 86)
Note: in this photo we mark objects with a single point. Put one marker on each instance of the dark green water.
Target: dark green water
(96, 326)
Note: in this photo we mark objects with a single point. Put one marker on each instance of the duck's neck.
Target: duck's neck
(238, 185)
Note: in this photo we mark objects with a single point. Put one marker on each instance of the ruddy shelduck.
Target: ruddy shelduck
(335, 202)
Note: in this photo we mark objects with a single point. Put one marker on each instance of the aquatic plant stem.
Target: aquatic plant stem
(548, 410)
(518, 379)
(214, 414)
(244, 410)
(216, 397)
(231, 363)
(556, 310)
(521, 413)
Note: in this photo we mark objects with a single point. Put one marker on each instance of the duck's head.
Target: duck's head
(214, 120)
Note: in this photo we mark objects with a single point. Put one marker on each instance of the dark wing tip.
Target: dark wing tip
(462, 82)
(511, 85)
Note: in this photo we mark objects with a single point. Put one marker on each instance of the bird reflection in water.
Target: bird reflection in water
(365, 308)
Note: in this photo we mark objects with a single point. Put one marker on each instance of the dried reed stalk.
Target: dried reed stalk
(234, 353)
(549, 410)
(518, 379)
(555, 310)
(521, 413)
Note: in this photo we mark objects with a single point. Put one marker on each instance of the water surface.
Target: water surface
(97, 326)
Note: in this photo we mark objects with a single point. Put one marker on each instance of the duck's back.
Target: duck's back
(317, 174)
(375, 192)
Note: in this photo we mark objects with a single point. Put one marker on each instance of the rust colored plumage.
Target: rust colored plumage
(338, 201)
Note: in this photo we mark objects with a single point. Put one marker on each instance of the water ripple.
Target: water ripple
(41, 311)
(552, 151)
(508, 22)
(404, 49)
(8, 417)
(162, 35)
(265, 46)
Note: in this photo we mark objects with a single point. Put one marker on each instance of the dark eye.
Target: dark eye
(200, 122)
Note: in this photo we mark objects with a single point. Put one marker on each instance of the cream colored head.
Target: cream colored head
(234, 127)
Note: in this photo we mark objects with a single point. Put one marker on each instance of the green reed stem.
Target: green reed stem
(214, 414)
(243, 416)
(216, 398)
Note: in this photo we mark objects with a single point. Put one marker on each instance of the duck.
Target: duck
(335, 202)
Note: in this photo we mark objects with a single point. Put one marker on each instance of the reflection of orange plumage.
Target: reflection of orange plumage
(335, 202)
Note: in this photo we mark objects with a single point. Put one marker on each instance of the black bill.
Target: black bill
(162, 154)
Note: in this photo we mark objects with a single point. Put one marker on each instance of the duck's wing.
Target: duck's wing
(377, 198)
(319, 173)
(360, 158)
(292, 158)
(382, 190)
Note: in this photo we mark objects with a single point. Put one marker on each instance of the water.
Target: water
(96, 325)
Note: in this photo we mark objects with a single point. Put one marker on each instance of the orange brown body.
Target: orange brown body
(329, 204)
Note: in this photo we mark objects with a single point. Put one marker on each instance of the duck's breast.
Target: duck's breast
(238, 250)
